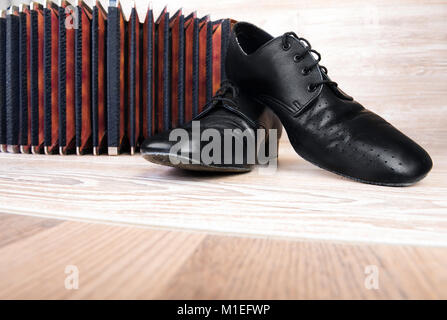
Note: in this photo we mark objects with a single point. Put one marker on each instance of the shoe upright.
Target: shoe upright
(325, 125)
(231, 115)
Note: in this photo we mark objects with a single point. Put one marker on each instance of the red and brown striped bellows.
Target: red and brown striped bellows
(76, 79)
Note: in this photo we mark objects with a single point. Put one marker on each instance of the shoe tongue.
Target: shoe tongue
(302, 43)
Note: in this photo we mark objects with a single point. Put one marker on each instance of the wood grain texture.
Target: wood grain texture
(298, 201)
(133, 263)
(241, 268)
(108, 258)
(14, 228)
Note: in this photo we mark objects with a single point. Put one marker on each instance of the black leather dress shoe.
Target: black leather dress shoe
(325, 125)
(232, 134)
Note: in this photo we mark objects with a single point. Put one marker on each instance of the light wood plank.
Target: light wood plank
(299, 201)
(241, 268)
(16, 227)
(116, 262)
(113, 262)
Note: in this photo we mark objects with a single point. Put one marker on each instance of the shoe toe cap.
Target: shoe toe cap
(167, 143)
(408, 165)
(156, 144)
(394, 160)
(384, 155)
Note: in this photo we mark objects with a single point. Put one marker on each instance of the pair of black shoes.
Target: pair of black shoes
(278, 81)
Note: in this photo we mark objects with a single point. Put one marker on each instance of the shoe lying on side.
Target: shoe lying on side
(325, 125)
(229, 115)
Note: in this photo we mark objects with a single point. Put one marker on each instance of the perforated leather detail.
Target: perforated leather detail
(330, 129)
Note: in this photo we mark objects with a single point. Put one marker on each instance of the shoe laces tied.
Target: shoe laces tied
(226, 93)
(308, 50)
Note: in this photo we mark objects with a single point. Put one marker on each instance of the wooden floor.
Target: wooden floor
(137, 230)
(127, 262)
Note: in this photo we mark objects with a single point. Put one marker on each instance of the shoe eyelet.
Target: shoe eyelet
(297, 58)
(311, 88)
(305, 71)
(286, 47)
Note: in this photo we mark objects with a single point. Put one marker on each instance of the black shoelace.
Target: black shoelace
(297, 58)
(221, 94)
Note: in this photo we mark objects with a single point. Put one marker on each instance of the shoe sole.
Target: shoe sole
(185, 163)
(383, 184)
